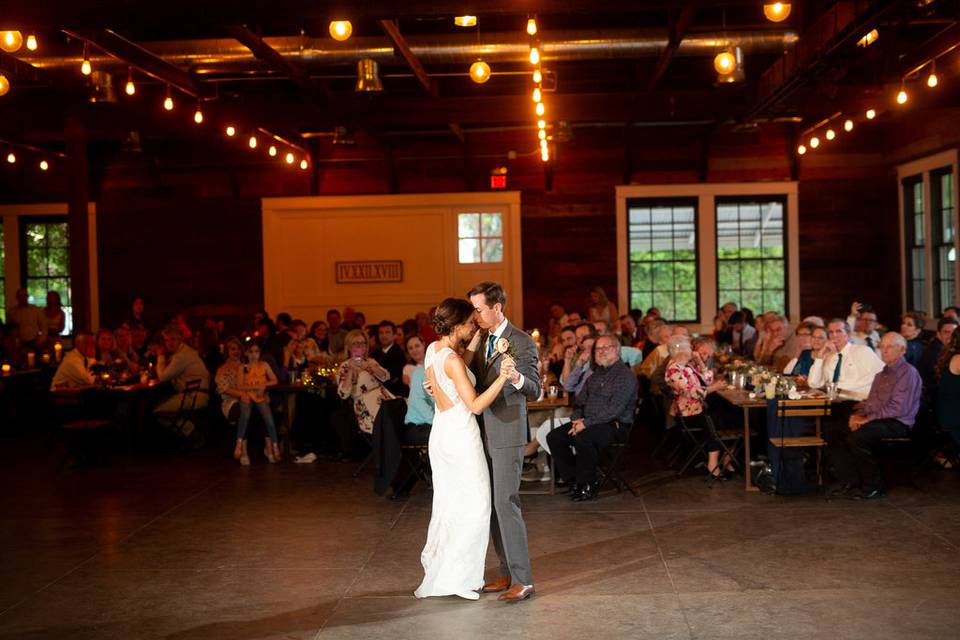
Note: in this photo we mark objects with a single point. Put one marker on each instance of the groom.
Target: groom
(505, 434)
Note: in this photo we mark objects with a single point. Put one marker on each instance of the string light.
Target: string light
(231, 131)
(541, 124)
(544, 154)
(814, 142)
(11, 41)
(871, 114)
(252, 142)
(725, 62)
(537, 95)
(304, 164)
(537, 77)
(11, 157)
(198, 115)
(801, 150)
(168, 101)
(848, 125)
(272, 151)
(44, 165)
(289, 158)
(932, 79)
(85, 67)
(479, 72)
(542, 134)
(32, 42)
(540, 109)
(465, 21)
(130, 88)
(532, 27)
(340, 30)
(831, 134)
(534, 55)
(902, 96)
(4, 85)
(777, 11)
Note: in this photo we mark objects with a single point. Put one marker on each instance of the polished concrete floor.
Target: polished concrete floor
(195, 547)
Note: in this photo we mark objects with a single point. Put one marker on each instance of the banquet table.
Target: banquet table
(552, 405)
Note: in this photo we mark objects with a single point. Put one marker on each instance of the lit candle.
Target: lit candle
(6, 369)
(58, 351)
(45, 358)
(535, 334)
(31, 359)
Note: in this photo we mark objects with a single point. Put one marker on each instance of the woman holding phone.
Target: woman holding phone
(360, 381)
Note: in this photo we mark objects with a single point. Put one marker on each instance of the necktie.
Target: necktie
(490, 342)
(836, 372)
(870, 342)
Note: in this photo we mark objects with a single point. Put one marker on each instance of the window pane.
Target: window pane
(686, 304)
(751, 269)
(57, 235)
(663, 276)
(469, 251)
(686, 276)
(36, 235)
(492, 225)
(772, 274)
(468, 225)
(641, 276)
(58, 261)
(493, 250)
(36, 262)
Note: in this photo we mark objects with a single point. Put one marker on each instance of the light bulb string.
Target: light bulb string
(914, 72)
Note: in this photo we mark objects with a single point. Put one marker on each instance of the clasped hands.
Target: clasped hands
(508, 369)
(576, 426)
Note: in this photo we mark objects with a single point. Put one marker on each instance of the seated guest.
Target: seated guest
(802, 359)
(629, 336)
(373, 336)
(863, 325)
(74, 369)
(911, 328)
(601, 308)
(336, 334)
(109, 355)
(135, 317)
(652, 331)
(574, 317)
(952, 312)
(410, 328)
(659, 354)
(743, 337)
(722, 332)
(179, 364)
(31, 320)
(561, 346)
(295, 355)
(252, 382)
(318, 352)
(391, 357)
(946, 327)
(889, 411)
(420, 407)
(778, 344)
(576, 364)
(138, 342)
(602, 415)
(227, 379)
(850, 366)
(558, 319)
(816, 321)
(947, 380)
(689, 380)
(359, 319)
(123, 339)
(360, 382)
(56, 319)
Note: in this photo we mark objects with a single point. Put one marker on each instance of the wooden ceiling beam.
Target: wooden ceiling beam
(263, 51)
(678, 29)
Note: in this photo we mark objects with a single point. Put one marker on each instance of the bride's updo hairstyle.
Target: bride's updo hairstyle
(451, 313)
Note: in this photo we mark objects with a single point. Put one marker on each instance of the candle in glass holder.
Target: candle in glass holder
(535, 334)
(31, 359)
(5, 369)
(45, 358)
(58, 351)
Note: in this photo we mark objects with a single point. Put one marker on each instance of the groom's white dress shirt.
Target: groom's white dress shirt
(497, 334)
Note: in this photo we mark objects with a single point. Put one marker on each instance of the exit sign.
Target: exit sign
(498, 181)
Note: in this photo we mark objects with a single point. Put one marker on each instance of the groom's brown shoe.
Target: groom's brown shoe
(498, 585)
(518, 592)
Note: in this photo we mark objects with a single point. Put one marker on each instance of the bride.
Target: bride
(456, 550)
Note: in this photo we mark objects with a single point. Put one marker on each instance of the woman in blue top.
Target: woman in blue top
(948, 387)
(803, 359)
(420, 406)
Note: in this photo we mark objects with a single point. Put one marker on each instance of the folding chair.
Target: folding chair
(730, 440)
(817, 408)
(610, 466)
(187, 411)
(417, 458)
(78, 423)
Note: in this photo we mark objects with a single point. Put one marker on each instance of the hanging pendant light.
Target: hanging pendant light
(11, 41)
(340, 30)
(32, 42)
(479, 72)
(368, 76)
(130, 88)
(777, 11)
(168, 101)
(4, 85)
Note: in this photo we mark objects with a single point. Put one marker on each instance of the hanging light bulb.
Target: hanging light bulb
(289, 158)
(340, 30)
(130, 88)
(541, 124)
(479, 72)
(902, 96)
(544, 154)
(814, 142)
(871, 114)
(540, 109)
(168, 101)
(304, 164)
(848, 125)
(801, 150)
(252, 142)
(44, 165)
(532, 26)
(11, 157)
(542, 134)
(4, 85)
(85, 67)
(724, 62)
(272, 151)
(537, 77)
(534, 55)
(932, 79)
(198, 115)
(32, 42)
(537, 95)
(231, 131)
(871, 36)
(11, 41)
(777, 11)
(831, 134)
(465, 21)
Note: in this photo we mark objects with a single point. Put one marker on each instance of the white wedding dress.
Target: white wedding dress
(453, 558)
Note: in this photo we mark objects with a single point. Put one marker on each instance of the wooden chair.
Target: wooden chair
(82, 428)
(610, 466)
(816, 408)
(187, 411)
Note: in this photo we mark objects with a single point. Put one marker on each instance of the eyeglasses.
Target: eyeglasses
(608, 347)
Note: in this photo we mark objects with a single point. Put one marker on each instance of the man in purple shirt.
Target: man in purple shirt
(888, 412)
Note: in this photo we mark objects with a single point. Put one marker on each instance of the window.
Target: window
(913, 235)
(46, 262)
(662, 249)
(751, 254)
(480, 237)
(945, 258)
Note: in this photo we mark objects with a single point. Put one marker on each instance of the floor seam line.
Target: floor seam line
(666, 568)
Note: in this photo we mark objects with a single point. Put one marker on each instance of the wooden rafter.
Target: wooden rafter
(678, 29)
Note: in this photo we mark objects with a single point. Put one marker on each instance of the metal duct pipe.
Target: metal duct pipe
(225, 55)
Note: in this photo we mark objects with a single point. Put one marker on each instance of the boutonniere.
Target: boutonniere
(502, 346)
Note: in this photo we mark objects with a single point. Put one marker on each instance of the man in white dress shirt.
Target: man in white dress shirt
(74, 370)
(851, 366)
(863, 323)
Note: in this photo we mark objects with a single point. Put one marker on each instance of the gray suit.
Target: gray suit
(504, 425)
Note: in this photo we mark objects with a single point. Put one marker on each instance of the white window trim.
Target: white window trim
(923, 167)
(11, 214)
(706, 195)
